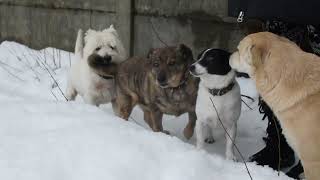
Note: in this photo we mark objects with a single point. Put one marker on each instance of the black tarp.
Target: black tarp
(295, 11)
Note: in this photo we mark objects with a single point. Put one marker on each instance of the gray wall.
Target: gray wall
(198, 24)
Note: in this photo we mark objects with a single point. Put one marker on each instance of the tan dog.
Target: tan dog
(160, 84)
(288, 79)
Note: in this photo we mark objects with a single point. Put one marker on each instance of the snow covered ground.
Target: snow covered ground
(43, 137)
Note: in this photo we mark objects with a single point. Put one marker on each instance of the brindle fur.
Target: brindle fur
(136, 84)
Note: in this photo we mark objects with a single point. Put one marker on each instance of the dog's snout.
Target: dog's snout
(107, 59)
(233, 59)
(192, 68)
(161, 78)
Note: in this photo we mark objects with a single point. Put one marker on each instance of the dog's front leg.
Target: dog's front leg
(229, 142)
(89, 99)
(189, 129)
(122, 106)
(156, 120)
(71, 93)
(147, 118)
(201, 133)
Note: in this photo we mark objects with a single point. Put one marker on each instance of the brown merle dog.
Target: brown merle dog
(159, 84)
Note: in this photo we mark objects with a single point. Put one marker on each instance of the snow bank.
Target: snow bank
(42, 137)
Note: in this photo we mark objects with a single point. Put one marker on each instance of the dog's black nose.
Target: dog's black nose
(192, 68)
(161, 78)
(107, 59)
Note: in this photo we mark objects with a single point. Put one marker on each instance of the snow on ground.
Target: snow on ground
(43, 137)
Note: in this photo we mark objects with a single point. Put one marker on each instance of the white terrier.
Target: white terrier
(104, 47)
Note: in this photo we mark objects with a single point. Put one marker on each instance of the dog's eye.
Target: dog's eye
(155, 64)
(171, 63)
(112, 47)
(98, 48)
(210, 58)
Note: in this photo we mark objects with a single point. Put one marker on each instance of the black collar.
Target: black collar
(222, 91)
(106, 77)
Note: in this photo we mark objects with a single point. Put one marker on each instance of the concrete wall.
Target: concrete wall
(141, 23)
(50, 23)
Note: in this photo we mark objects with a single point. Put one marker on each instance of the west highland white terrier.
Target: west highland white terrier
(104, 47)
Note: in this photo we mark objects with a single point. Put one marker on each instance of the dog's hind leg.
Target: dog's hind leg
(189, 129)
(232, 131)
(71, 93)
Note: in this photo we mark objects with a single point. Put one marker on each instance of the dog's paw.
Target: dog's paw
(232, 158)
(166, 132)
(209, 140)
(200, 146)
(188, 132)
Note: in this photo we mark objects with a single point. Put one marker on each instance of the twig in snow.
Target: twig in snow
(54, 95)
(12, 74)
(13, 68)
(69, 59)
(248, 97)
(55, 81)
(234, 144)
(246, 104)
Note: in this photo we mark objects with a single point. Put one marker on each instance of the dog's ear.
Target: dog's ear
(200, 54)
(79, 44)
(89, 33)
(257, 51)
(151, 51)
(185, 52)
(258, 55)
(112, 30)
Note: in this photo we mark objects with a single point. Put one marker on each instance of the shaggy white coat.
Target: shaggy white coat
(82, 80)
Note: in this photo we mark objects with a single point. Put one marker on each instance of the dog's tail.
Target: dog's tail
(79, 44)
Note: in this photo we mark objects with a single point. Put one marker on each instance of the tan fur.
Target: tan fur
(288, 79)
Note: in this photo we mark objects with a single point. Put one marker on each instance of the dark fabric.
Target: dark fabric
(270, 154)
(305, 36)
(294, 32)
(295, 11)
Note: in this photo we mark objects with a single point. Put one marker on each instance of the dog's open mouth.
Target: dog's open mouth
(164, 86)
(106, 77)
(195, 74)
(167, 85)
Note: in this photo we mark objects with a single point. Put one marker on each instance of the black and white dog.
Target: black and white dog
(218, 97)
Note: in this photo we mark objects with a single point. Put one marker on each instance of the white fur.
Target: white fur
(228, 107)
(82, 80)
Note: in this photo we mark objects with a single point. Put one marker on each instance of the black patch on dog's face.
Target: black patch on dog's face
(97, 60)
(216, 61)
(102, 65)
